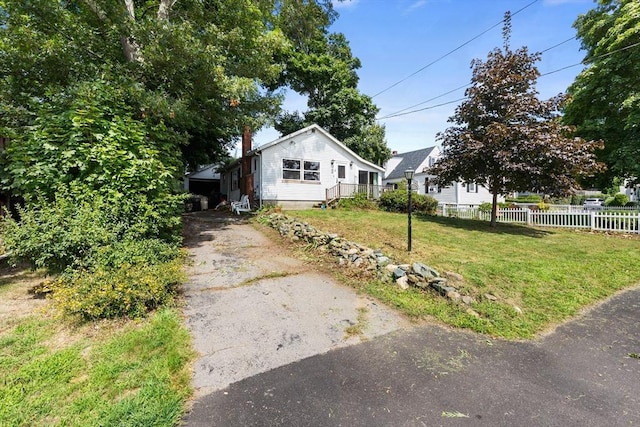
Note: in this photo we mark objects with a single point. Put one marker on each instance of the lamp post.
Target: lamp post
(408, 174)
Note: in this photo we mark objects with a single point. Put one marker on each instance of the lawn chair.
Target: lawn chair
(242, 205)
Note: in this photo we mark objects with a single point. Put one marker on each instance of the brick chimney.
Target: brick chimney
(246, 179)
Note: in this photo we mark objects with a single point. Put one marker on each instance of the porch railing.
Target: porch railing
(343, 190)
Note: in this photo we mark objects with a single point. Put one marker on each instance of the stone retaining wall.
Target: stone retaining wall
(354, 255)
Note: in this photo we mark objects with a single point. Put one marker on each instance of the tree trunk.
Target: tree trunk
(494, 209)
(164, 9)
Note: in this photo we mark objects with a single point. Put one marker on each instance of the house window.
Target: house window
(298, 169)
(342, 171)
(472, 187)
(311, 171)
(290, 169)
(432, 162)
(426, 186)
(235, 178)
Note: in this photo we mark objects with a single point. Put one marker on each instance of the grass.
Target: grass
(550, 274)
(108, 373)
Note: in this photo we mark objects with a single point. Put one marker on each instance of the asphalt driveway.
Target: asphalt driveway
(585, 373)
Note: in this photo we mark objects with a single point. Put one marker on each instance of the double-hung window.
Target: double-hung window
(472, 187)
(300, 170)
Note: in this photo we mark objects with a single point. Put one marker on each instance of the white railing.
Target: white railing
(626, 221)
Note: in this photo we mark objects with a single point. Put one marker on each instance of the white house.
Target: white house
(299, 170)
(421, 161)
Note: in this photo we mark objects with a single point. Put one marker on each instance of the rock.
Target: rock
(358, 262)
(468, 300)
(441, 287)
(399, 272)
(413, 278)
(402, 282)
(352, 251)
(391, 267)
(517, 309)
(421, 285)
(490, 297)
(453, 276)
(382, 260)
(453, 295)
(424, 270)
(437, 280)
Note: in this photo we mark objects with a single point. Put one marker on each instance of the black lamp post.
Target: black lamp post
(408, 174)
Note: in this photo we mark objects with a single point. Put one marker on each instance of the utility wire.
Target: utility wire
(450, 52)
(394, 114)
(404, 112)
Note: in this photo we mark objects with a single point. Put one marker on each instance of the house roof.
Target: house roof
(409, 160)
(313, 128)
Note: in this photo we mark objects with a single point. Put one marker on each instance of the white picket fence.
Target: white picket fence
(625, 221)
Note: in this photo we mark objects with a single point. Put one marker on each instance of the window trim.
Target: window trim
(302, 170)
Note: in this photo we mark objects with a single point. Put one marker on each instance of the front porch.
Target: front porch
(343, 190)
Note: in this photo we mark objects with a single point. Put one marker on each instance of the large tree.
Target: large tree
(605, 97)
(204, 69)
(507, 139)
(325, 71)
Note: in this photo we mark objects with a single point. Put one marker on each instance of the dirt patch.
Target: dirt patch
(16, 300)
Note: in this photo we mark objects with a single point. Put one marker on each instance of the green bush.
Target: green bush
(398, 201)
(70, 233)
(529, 198)
(129, 291)
(619, 199)
(358, 201)
(135, 252)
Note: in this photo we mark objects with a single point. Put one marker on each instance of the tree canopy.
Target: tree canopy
(605, 97)
(507, 139)
(326, 72)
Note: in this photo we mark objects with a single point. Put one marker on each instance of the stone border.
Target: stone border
(354, 255)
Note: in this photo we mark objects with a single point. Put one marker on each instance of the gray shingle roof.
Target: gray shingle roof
(410, 160)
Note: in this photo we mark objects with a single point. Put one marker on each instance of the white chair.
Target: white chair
(242, 205)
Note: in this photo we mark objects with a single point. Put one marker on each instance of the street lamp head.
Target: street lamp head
(408, 174)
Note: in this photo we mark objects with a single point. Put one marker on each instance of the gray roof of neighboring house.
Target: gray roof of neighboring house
(410, 160)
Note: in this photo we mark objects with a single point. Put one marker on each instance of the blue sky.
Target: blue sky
(395, 38)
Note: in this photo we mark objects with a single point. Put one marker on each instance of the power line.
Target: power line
(403, 112)
(450, 52)
(424, 102)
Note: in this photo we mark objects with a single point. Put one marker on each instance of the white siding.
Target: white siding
(309, 146)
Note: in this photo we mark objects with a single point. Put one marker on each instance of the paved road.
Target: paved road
(585, 373)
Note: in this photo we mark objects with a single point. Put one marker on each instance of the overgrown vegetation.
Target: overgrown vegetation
(398, 201)
(549, 275)
(358, 201)
(100, 208)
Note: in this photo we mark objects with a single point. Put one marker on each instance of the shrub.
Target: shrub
(358, 201)
(619, 199)
(135, 252)
(529, 198)
(69, 232)
(398, 201)
(130, 291)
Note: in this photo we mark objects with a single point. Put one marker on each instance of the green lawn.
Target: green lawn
(550, 274)
(110, 373)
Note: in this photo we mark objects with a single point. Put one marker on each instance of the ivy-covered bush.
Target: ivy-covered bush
(131, 290)
(398, 201)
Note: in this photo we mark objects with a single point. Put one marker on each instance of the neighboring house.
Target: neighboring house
(205, 182)
(632, 191)
(300, 170)
(423, 182)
